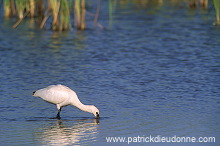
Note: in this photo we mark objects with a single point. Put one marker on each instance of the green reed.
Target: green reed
(64, 15)
(60, 13)
(40, 8)
(217, 10)
(79, 14)
(7, 8)
(21, 5)
(54, 6)
(32, 8)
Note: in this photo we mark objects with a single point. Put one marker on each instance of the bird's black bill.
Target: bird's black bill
(97, 116)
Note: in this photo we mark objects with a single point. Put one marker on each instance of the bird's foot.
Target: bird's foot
(58, 117)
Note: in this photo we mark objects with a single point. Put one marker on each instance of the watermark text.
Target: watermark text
(159, 138)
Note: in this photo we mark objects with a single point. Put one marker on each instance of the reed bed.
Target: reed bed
(58, 14)
(55, 12)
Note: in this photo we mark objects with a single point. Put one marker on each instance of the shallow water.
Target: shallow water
(149, 74)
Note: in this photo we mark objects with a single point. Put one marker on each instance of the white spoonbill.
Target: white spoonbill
(63, 96)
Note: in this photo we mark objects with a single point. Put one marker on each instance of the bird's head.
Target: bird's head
(94, 111)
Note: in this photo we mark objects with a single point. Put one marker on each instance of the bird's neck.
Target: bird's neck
(81, 106)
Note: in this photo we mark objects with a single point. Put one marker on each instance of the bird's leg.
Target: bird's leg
(58, 114)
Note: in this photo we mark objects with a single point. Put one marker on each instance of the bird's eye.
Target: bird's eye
(97, 113)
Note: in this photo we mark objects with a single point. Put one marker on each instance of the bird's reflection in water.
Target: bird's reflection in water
(69, 132)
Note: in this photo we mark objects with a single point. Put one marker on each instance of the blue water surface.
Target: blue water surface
(152, 72)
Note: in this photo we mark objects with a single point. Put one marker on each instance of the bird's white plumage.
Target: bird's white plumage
(61, 96)
(55, 94)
